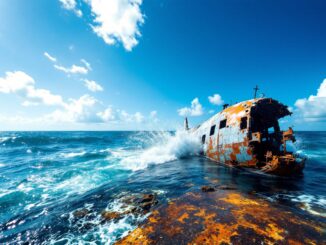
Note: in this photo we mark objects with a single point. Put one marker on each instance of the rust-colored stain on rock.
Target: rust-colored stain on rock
(225, 217)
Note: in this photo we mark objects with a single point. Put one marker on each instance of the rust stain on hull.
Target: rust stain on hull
(247, 134)
(225, 217)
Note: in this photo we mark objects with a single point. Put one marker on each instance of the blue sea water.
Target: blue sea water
(46, 176)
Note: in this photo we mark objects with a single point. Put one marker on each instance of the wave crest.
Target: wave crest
(166, 147)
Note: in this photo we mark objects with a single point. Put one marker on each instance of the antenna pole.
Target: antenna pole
(255, 89)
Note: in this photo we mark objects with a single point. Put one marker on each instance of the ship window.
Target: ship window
(223, 123)
(243, 124)
(203, 138)
(212, 130)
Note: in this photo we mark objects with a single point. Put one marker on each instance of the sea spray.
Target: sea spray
(166, 147)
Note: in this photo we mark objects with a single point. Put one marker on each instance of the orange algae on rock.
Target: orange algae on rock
(225, 217)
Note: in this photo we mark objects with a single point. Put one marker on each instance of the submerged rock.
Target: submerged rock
(207, 188)
(137, 204)
(226, 187)
(107, 215)
(147, 201)
(81, 213)
(148, 198)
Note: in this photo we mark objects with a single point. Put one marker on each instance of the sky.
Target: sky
(146, 64)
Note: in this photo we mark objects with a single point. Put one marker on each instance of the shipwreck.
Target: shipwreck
(248, 135)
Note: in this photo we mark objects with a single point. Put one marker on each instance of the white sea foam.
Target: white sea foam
(73, 154)
(29, 206)
(102, 233)
(166, 148)
(3, 139)
(24, 188)
(310, 203)
(77, 184)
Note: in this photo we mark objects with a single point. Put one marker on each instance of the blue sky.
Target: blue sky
(132, 64)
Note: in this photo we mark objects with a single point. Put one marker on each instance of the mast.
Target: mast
(255, 89)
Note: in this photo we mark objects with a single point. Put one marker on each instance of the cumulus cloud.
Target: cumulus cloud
(216, 99)
(138, 117)
(313, 108)
(117, 21)
(92, 85)
(126, 117)
(107, 115)
(23, 85)
(73, 110)
(50, 57)
(120, 116)
(195, 109)
(71, 5)
(85, 109)
(77, 110)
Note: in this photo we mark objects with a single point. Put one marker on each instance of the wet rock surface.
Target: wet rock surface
(225, 217)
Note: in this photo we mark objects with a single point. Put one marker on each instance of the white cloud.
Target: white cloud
(50, 57)
(313, 108)
(85, 109)
(196, 109)
(15, 81)
(126, 117)
(71, 5)
(138, 117)
(107, 115)
(76, 110)
(117, 21)
(216, 99)
(74, 69)
(92, 85)
(68, 4)
(23, 85)
(211, 111)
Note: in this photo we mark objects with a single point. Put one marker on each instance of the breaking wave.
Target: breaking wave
(166, 147)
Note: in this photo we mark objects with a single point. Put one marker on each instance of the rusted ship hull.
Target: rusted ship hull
(248, 135)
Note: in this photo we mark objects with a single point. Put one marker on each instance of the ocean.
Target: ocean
(45, 177)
